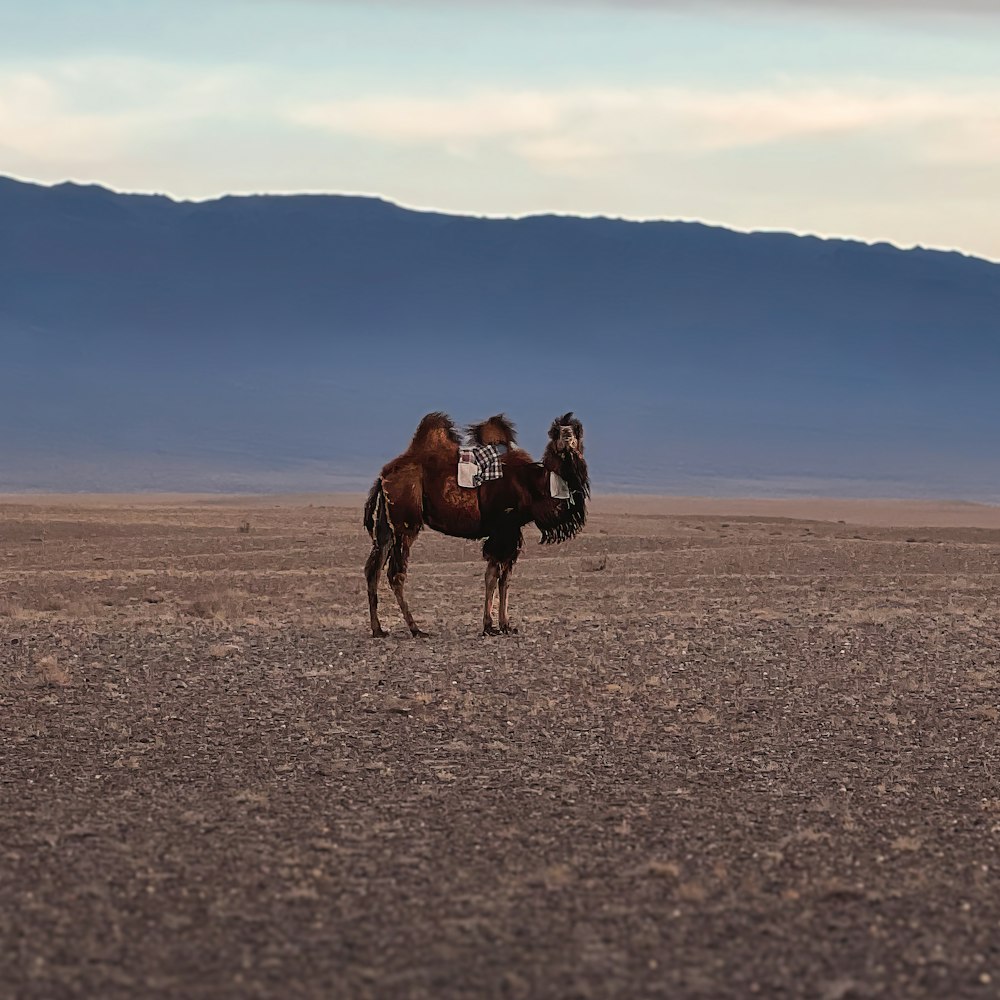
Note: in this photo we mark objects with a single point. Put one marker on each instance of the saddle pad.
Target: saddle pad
(468, 469)
(558, 487)
(479, 465)
(487, 457)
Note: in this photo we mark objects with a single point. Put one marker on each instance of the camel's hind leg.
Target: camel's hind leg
(399, 557)
(379, 528)
(392, 535)
(373, 570)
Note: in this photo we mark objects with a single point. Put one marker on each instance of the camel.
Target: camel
(420, 489)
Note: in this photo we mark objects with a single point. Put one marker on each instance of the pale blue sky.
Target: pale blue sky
(878, 120)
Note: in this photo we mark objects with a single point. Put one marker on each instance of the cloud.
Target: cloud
(93, 110)
(35, 122)
(866, 7)
(97, 110)
(582, 125)
(399, 119)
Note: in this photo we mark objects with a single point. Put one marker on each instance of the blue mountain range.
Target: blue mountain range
(293, 343)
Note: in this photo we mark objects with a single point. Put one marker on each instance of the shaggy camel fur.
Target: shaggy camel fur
(420, 488)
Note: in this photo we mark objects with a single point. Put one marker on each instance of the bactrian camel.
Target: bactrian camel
(420, 489)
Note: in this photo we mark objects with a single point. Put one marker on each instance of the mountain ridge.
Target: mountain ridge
(287, 331)
(388, 202)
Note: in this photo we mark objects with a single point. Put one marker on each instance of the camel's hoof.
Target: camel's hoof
(490, 630)
(419, 633)
(380, 634)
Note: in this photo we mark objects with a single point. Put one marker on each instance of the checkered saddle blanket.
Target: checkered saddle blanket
(479, 465)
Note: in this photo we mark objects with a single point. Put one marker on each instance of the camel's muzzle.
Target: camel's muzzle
(567, 440)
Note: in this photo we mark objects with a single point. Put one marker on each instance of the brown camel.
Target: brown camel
(420, 488)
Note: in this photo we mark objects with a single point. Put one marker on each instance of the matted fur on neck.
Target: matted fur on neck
(568, 517)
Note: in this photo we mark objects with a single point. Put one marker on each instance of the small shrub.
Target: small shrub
(82, 607)
(222, 650)
(51, 673)
(216, 604)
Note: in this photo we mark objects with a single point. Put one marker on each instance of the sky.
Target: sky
(872, 119)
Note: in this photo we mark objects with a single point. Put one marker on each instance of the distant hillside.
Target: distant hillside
(293, 342)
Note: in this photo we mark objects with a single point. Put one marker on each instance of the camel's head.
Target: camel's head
(564, 457)
(564, 453)
(566, 433)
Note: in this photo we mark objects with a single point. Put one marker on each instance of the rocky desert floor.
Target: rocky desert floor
(730, 753)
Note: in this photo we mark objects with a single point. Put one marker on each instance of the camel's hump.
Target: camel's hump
(435, 431)
(494, 430)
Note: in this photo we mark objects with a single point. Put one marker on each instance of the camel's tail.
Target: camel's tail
(375, 512)
(377, 515)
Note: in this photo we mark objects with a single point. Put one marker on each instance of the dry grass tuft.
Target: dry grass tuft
(664, 869)
(223, 650)
(692, 892)
(987, 712)
(83, 607)
(217, 604)
(594, 565)
(8, 609)
(51, 673)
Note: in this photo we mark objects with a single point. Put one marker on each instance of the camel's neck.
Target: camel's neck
(560, 520)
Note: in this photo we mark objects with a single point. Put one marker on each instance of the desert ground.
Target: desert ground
(737, 748)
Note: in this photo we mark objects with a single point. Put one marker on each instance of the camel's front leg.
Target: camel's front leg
(505, 625)
(492, 576)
